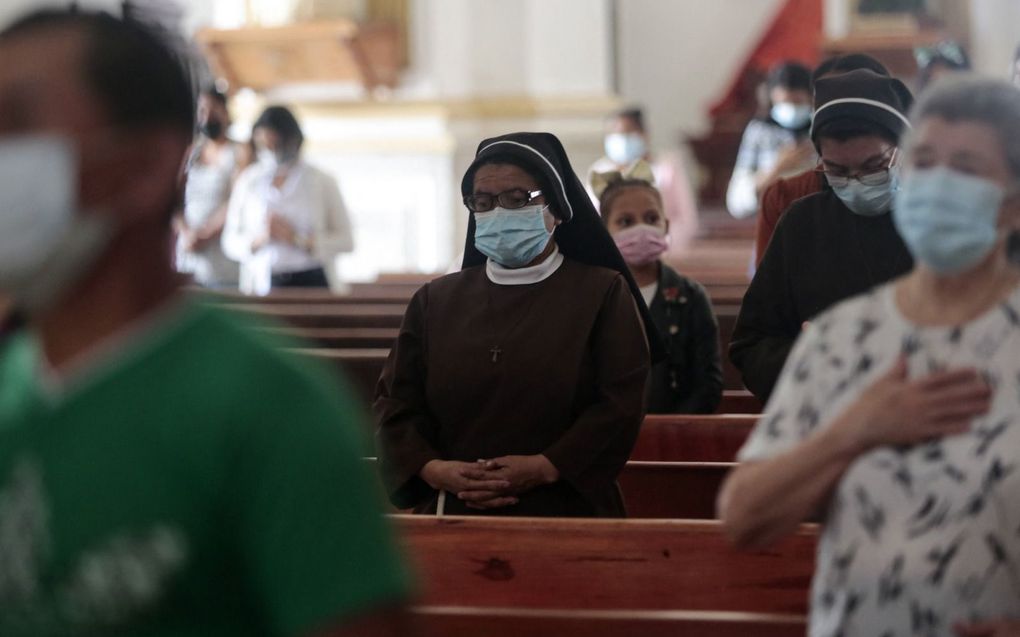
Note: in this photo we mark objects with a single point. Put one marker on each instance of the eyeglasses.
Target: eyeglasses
(511, 199)
(877, 177)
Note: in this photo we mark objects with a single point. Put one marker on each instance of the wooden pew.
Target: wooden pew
(603, 564)
(667, 490)
(692, 438)
(327, 315)
(720, 295)
(468, 621)
(739, 401)
(381, 338)
(363, 366)
(672, 490)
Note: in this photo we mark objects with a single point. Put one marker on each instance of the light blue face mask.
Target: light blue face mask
(512, 238)
(869, 200)
(625, 148)
(948, 219)
(791, 116)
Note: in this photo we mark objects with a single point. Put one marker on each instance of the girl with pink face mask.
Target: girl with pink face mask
(689, 381)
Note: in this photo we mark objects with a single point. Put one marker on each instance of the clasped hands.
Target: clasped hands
(492, 483)
(278, 229)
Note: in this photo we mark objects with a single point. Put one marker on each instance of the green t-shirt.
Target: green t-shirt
(199, 483)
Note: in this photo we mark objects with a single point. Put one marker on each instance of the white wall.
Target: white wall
(676, 57)
(995, 26)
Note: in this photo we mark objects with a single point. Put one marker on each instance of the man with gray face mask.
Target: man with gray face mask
(164, 470)
(835, 244)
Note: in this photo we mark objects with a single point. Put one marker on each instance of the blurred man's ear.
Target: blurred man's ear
(155, 186)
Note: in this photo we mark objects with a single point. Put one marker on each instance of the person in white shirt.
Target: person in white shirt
(214, 163)
(776, 145)
(626, 143)
(286, 222)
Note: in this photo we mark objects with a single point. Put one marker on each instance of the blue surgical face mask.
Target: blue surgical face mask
(948, 219)
(625, 148)
(512, 238)
(791, 116)
(869, 200)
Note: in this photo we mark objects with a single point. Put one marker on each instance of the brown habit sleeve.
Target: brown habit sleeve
(404, 427)
(594, 450)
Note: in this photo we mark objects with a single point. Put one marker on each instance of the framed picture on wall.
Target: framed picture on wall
(895, 16)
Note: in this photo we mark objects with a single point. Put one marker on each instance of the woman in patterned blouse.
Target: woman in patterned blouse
(896, 422)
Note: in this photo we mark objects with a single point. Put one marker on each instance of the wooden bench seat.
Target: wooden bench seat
(469, 621)
(603, 565)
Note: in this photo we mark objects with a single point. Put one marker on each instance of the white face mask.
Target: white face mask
(46, 243)
(625, 148)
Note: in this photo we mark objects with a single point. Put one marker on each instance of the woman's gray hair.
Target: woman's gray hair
(971, 98)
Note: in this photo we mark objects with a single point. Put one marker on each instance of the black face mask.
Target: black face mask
(212, 129)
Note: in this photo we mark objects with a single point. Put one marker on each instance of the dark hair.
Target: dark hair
(846, 128)
(280, 120)
(615, 189)
(132, 69)
(634, 114)
(792, 76)
(215, 94)
(846, 63)
(507, 159)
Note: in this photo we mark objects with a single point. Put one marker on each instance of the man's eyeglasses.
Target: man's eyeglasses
(511, 199)
(874, 177)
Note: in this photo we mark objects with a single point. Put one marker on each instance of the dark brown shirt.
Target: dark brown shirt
(568, 381)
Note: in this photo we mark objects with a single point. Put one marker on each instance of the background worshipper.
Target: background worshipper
(690, 380)
(286, 222)
(778, 197)
(627, 142)
(938, 61)
(897, 421)
(834, 244)
(776, 145)
(145, 489)
(214, 163)
(516, 385)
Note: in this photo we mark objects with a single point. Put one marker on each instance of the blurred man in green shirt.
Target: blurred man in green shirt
(163, 470)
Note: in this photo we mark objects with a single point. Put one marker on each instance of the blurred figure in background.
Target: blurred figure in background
(627, 142)
(286, 222)
(213, 166)
(836, 243)
(163, 471)
(939, 60)
(777, 145)
(778, 197)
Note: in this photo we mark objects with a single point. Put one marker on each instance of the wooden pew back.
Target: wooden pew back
(692, 438)
(467, 621)
(603, 564)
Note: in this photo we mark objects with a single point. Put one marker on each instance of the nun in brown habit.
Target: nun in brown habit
(515, 386)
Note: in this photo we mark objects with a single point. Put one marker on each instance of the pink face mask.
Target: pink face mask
(641, 244)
